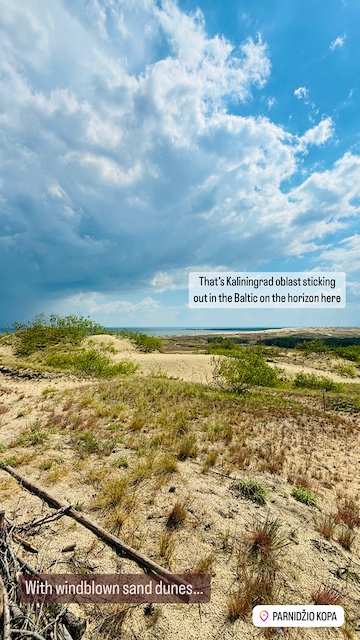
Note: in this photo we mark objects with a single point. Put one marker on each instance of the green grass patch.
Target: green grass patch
(306, 496)
(89, 362)
(350, 352)
(250, 490)
(312, 381)
(143, 342)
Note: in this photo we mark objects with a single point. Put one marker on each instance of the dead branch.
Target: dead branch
(122, 549)
(73, 625)
(39, 522)
(30, 634)
(5, 611)
(24, 543)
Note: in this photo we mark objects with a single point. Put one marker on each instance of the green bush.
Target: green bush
(311, 381)
(351, 352)
(305, 496)
(314, 346)
(247, 369)
(43, 332)
(143, 342)
(89, 362)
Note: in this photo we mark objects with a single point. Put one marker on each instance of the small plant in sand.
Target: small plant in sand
(251, 490)
(304, 495)
(210, 461)
(112, 493)
(348, 512)
(166, 546)
(254, 588)
(86, 442)
(177, 515)
(166, 464)
(110, 624)
(266, 540)
(346, 537)
(32, 436)
(205, 564)
(187, 447)
(120, 462)
(326, 596)
(326, 525)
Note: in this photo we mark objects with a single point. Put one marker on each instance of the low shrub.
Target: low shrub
(43, 332)
(143, 342)
(314, 346)
(346, 370)
(350, 352)
(312, 381)
(247, 369)
(89, 362)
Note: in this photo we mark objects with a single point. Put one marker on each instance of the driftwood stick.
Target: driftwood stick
(5, 611)
(122, 549)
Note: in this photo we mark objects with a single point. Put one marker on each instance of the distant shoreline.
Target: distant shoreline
(256, 332)
(193, 332)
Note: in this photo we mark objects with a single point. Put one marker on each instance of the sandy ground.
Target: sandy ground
(217, 520)
(192, 367)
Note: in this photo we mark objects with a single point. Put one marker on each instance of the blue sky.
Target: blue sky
(142, 139)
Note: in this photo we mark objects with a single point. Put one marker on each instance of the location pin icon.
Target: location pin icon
(264, 615)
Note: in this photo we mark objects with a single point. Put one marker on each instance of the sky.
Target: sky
(143, 139)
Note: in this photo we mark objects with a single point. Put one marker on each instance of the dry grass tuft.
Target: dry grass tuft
(326, 524)
(266, 541)
(348, 512)
(326, 596)
(206, 564)
(346, 537)
(187, 447)
(177, 515)
(255, 588)
(166, 546)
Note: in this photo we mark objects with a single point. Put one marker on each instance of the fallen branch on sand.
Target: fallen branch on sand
(122, 549)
